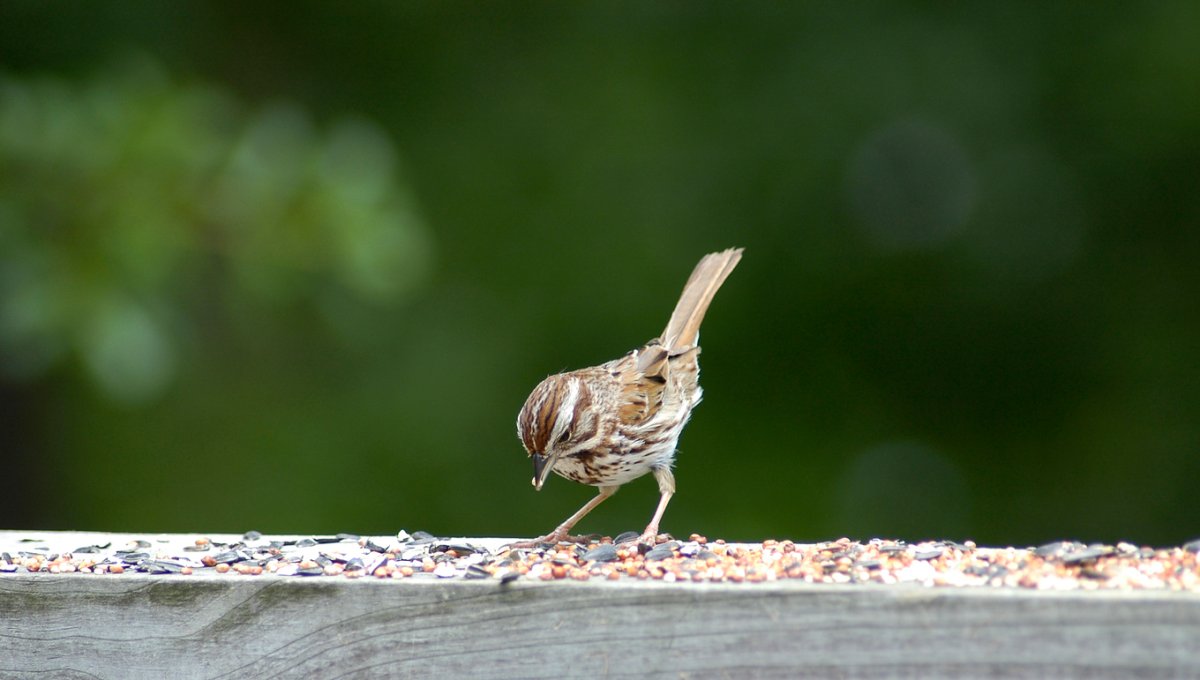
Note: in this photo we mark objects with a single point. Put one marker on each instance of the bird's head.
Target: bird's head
(556, 420)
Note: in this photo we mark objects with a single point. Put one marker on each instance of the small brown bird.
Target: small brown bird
(610, 424)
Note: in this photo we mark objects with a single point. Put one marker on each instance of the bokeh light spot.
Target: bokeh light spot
(910, 186)
(127, 352)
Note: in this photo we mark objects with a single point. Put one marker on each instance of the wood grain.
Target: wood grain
(141, 626)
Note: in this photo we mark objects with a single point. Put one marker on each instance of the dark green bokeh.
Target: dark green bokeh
(295, 266)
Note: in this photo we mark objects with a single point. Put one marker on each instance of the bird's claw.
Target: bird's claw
(553, 538)
(648, 539)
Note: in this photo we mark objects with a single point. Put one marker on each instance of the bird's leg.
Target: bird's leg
(562, 533)
(666, 487)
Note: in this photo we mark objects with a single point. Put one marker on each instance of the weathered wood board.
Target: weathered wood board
(139, 626)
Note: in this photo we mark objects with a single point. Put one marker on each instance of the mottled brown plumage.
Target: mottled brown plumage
(610, 424)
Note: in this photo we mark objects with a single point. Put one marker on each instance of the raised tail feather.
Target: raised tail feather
(684, 326)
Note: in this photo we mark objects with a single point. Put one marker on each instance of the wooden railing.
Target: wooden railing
(167, 614)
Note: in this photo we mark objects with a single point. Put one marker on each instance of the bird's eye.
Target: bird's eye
(565, 436)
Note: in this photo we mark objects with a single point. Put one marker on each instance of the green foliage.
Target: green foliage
(128, 198)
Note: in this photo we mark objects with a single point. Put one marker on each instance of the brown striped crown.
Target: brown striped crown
(557, 415)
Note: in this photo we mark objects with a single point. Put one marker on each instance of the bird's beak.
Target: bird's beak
(542, 464)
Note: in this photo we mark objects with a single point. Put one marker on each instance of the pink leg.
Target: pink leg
(562, 533)
(666, 487)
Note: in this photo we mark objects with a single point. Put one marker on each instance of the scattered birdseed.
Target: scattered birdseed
(1061, 565)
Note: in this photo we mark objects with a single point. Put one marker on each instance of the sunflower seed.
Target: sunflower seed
(422, 537)
(662, 551)
(375, 563)
(412, 553)
(229, 557)
(476, 572)
(626, 537)
(163, 567)
(1057, 548)
(604, 553)
(1087, 555)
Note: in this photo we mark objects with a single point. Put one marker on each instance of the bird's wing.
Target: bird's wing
(642, 376)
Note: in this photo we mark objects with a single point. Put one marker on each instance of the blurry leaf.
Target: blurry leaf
(127, 352)
(135, 188)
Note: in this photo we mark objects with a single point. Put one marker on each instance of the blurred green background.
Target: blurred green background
(295, 266)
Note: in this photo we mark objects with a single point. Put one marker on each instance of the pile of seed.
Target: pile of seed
(1055, 566)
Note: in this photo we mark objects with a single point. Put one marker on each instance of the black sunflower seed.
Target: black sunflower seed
(603, 553)
(627, 537)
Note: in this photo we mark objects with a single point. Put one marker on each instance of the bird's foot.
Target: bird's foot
(649, 538)
(555, 537)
